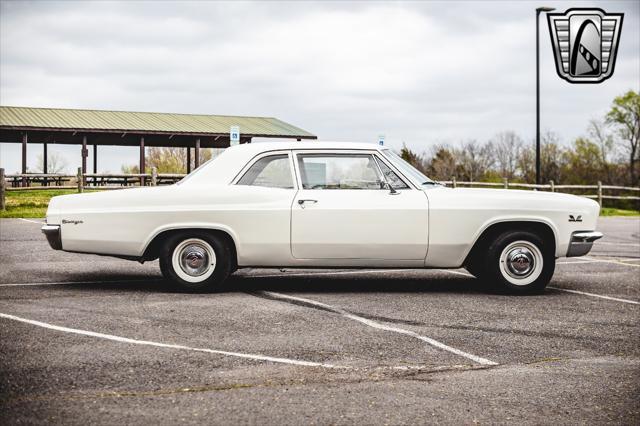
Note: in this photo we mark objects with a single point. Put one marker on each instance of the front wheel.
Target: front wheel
(195, 261)
(519, 262)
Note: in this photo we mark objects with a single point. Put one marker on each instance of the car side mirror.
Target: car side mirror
(392, 190)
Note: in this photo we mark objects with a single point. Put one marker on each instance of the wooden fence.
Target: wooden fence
(40, 181)
(597, 192)
(79, 181)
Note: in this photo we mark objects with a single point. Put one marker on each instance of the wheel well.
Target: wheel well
(538, 228)
(153, 249)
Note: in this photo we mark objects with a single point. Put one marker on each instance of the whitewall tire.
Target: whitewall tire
(195, 261)
(518, 262)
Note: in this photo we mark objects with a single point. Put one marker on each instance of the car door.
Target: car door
(342, 210)
(261, 212)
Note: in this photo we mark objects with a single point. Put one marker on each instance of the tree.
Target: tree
(507, 147)
(168, 160)
(442, 165)
(56, 163)
(583, 162)
(474, 160)
(412, 158)
(604, 140)
(625, 117)
(551, 158)
(527, 164)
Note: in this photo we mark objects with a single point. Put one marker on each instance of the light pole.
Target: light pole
(538, 11)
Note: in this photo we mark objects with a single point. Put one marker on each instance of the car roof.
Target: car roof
(223, 168)
(258, 147)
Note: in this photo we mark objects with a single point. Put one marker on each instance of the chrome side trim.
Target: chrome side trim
(582, 242)
(52, 232)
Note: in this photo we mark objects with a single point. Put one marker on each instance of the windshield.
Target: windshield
(407, 168)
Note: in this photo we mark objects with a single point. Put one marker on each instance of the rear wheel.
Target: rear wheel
(195, 261)
(518, 262)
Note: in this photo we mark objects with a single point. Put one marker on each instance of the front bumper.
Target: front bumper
(582, 242)
(52, 232)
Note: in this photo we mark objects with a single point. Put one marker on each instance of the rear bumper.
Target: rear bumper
(582, 242)
(52, 232)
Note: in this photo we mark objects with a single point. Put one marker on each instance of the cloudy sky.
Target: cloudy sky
(418, 72)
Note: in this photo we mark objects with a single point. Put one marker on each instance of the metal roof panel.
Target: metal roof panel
(141, 122)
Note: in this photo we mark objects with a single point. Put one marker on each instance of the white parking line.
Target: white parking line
(575, 262)
(167, 345)
(379, 326)
(451, 271)
(615, 299)
(606, 243)
(32, 221)
(618, 260)
(611, 260)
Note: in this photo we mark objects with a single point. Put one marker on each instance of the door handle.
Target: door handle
(302, 202)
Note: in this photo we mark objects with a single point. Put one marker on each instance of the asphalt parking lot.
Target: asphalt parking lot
(88, 339)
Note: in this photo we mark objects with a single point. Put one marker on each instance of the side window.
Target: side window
(391, 176)
(338, 171)
(273, 171)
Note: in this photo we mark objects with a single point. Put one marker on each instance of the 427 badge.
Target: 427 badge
(585, 43)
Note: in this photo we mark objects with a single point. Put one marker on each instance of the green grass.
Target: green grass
(608, 211)
(31, 203)
(34, 204)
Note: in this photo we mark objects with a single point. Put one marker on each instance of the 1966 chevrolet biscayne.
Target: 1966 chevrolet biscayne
(323, 205)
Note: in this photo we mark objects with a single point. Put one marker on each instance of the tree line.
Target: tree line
(609, 152)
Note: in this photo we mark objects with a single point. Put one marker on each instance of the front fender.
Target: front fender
(507, 219)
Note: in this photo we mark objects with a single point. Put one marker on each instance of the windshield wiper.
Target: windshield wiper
(431, 182)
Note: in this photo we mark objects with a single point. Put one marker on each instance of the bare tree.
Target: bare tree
(56, 163)
(475, 159)
(551, 157)
(527, 163)
(168, 160)
(507, 147)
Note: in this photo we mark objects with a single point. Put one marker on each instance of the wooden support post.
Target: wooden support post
(552, 184)
(80, 178)
(45, 168)
(143, 168)
(196, 158)
(188, 160)
(95, 159)
(506, 183)
(600, 193)
(453, 182)
(3, 202)
(25, 139)
(154, 176)
(85, 154)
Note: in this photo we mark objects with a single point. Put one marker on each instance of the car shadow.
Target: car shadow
(308, 283)
(352, 284)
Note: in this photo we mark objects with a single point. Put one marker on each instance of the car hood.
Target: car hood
(511, 194)
(511, 200)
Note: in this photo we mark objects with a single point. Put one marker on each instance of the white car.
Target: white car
(325, 205)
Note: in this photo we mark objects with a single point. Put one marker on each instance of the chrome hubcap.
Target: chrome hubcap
(194, 260)
(520, 262)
